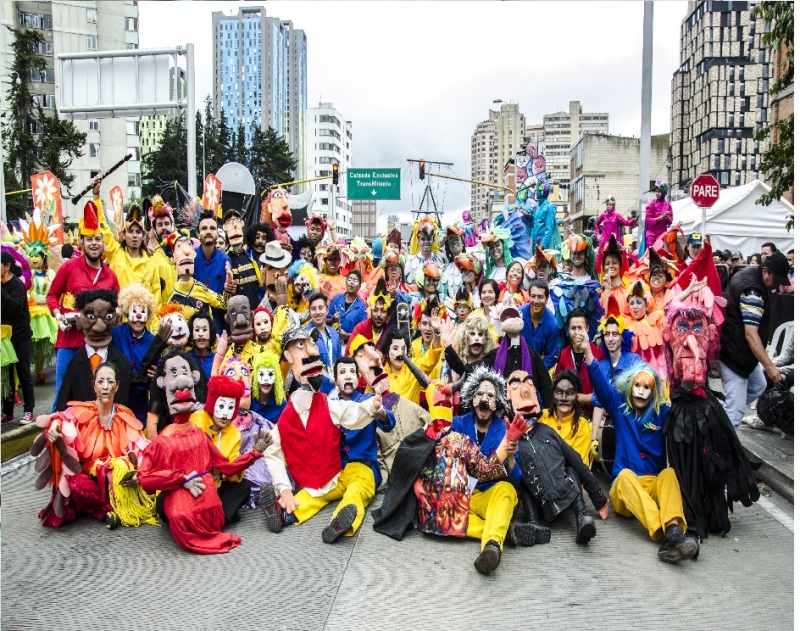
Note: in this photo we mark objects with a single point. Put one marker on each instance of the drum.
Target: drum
(607, 444)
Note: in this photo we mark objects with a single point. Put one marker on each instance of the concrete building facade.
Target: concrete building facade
(602, 165)
(69, 28)
(720, 94)
(260, 76)
(329, 142)
(365, 218)
(561, 130)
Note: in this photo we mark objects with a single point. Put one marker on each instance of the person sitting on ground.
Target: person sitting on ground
(552, 471)
(642, 485)
(565, 415)
(90, 447)
(268, 384)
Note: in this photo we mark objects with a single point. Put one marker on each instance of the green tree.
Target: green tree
(270, 161)
(167, 163)
(60, 144)
(240, 151)
(777, 162)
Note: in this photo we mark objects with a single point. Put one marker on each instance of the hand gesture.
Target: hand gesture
(377, 400)
(516, 429)
(54, 433)
(262, 441)
(603, 512)
(222, 344)
(281, 291)
(194, 484)
(165, 329)
(287, 501)
(696, 285)
(448, 332)
(436, 322)
(392, 289)
(229, 285)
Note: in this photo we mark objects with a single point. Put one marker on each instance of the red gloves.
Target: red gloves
(515, 430)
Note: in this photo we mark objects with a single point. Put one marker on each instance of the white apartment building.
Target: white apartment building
(329, 141)
(81, 26)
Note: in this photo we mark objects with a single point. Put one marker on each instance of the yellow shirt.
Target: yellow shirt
(165, 272)
(228, 441)
(429, 361)
(404, 383)
(580, 442)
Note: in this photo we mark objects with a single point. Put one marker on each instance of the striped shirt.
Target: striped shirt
(752, 305)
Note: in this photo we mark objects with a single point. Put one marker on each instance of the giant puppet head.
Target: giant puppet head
(183, 254)
(234, 229)
(439, 396)
(239, 317)
(276, 262)
(137, 303)
(423, 237)
(175, 376)
(275, 210)
(510, 319)
(299, 349)
(368, 360)
(267, 377)
(238, 369)
(484, 394)
(97, 316)
(691, 343)
(522, 394)
(174, 313)
(262, 324)
(223, 400)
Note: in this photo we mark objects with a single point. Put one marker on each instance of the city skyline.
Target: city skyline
(414, 88)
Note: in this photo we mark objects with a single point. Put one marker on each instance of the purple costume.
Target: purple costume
(611, 222)
(249, 423)
(653, 226)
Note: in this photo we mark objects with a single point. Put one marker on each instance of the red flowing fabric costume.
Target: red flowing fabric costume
(88, 442)
(196, 522)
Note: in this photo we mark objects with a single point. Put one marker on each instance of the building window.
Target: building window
(134, 179)
(94, 125)
(94, 149)
(91, 42)
(130, 24)
(91, 16)
(130, 46)
(723, 178)
(133, 128)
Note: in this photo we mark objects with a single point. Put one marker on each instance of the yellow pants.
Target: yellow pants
(653, 500)
(356, 486)
(490, 513)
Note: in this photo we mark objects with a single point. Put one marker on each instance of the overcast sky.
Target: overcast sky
(415, 78)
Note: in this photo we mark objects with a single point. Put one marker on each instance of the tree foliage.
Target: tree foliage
(777, 162)
(166, 164)
(270, 160)
(34, 141)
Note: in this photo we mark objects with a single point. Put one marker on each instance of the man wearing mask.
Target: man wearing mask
(424, 248)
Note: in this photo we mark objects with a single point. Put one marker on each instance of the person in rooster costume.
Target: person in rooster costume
(424, 247)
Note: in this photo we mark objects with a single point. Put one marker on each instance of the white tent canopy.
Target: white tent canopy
(736, 222)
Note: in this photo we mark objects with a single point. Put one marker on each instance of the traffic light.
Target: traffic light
(335, 174)
(421, 169)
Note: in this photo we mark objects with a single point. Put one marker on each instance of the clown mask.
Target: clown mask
(300, 284)
(239, 370)
(477, 340)
(522, 394)
(137, 317)
(180, 331)
(183, 255)
(263, 326)
(689, 339)
(642, 389)
(223, 411)
(266, 380)
(347, 379)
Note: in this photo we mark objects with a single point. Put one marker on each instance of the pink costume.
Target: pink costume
(611, 222)
(654, 227)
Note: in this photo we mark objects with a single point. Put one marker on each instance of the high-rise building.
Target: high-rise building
(534, 133)
(365, 218)
(720, 94)
(494, 142)
(260, 76)
(151, 128)
(329, 142)
(561, 130)
(70, 28)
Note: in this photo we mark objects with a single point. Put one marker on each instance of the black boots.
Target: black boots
(677, 546)
(531, 532)
(584, 523)
(339, 525)
(489, 559)
(273, 510)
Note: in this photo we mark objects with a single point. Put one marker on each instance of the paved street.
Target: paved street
(85, 577)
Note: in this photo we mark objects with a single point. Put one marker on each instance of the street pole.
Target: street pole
(191, 127)
(647, 100)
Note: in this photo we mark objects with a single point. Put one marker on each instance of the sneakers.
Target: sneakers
(756, 423)
(530, 534)
(340, 524)
(7, 418)
(488, 559)
(27, 418)
(273, 511)
(677, 546)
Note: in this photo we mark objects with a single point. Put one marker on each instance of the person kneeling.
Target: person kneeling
(642, 485)
(552, 471)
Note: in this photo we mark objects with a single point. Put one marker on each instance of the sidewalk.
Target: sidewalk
(776, 453)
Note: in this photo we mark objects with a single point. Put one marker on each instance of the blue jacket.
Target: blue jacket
(626, 360)
(329, 350)
(206, 363)
(269, 410)
(361, 445)
(640, 449)
(543, 338)
(211, 272)
(135, 350)
(465, 424)
(348, 317)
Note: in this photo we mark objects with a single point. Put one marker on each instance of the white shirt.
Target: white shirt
(102, 352)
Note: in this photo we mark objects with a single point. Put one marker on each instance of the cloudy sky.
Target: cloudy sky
(416, 77)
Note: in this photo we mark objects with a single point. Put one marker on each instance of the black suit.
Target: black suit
(78, 384)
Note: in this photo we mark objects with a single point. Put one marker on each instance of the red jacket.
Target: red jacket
(73, 277)
(365, 328)
(312, 452)
(566, 362)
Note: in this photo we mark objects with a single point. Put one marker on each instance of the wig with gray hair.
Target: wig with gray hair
(473, 382)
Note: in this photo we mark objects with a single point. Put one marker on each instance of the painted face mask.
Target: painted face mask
(638, 307)
(224, 408)
(239, 370)
(137, 313)
(266, 377)
(642, 389)
(263, 326)
(180, 330)
(689, 339)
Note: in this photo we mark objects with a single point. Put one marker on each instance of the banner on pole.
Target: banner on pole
(47, 199)
(117, 201)
(212, 188)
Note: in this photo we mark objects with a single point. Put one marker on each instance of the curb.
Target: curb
(18, 441)
(771, 475)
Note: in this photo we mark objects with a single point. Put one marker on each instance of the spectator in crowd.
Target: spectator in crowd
(14, 312)
(768, 248)
(755, 259)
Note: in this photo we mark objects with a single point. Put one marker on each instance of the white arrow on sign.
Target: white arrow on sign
(374, 192)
